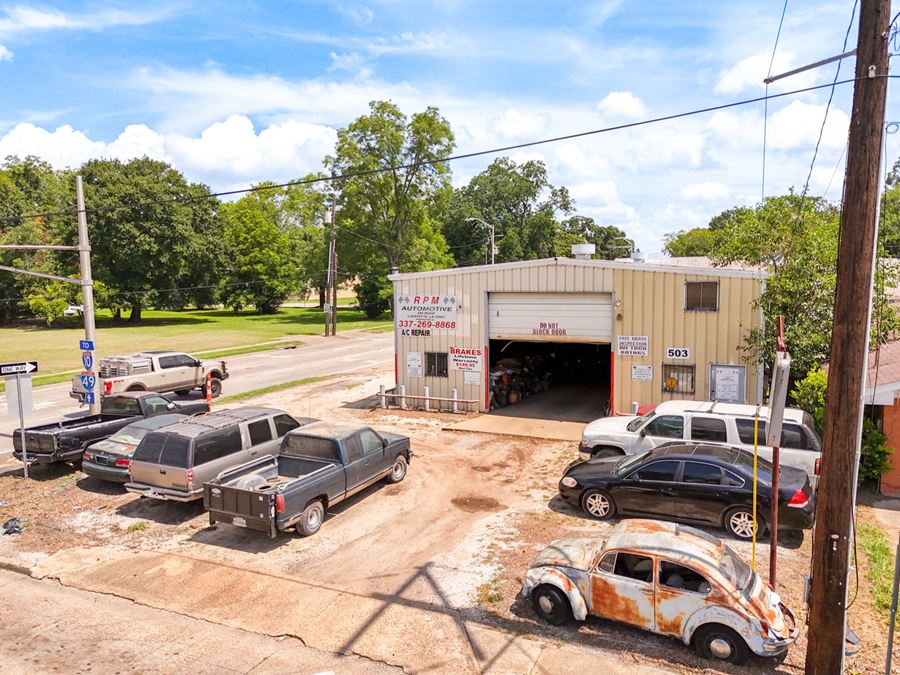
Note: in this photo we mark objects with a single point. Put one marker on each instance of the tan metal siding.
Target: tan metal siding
(651, 303)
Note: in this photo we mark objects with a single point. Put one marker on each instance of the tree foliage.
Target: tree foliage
(693, 242)
(388, 219)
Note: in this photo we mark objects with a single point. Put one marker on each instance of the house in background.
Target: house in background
(883, 392)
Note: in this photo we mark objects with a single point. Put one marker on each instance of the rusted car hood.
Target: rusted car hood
(578, 554)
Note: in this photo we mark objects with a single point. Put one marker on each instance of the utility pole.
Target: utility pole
(331, 282)
(87, 283)
(849, 344)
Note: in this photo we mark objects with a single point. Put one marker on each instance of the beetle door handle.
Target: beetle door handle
(162, 471)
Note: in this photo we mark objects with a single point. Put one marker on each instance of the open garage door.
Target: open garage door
(550, 355)
(551, 317)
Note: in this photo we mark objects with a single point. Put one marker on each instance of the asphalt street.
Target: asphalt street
(317, 357)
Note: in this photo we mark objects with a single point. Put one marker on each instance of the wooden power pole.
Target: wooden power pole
(849, 342)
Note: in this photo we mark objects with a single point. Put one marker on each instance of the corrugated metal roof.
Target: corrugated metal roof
(702, 267)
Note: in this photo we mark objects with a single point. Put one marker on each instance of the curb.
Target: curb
(15, 566)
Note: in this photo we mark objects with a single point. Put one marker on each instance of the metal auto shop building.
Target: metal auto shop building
(578, 338)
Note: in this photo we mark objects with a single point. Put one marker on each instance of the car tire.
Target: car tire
(739, 523)
(182, 392)
(551, 605)
(215, 386)
(398, 470)
(312, 518)
(136, 387)
(603, 453)
(598, 504)
(720, 643)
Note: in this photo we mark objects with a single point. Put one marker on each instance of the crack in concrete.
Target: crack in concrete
(168, 610)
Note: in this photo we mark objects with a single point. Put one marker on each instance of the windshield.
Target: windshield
(744, 459)
(628, 463)
(736, 571)
(638, 422)
(130, 437)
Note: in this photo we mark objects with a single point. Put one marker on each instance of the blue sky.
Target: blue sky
(235, 92)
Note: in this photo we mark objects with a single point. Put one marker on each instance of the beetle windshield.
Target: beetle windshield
(638, 422)
(628, 463)
(736, 570)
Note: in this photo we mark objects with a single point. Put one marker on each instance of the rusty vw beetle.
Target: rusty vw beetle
(667, 578)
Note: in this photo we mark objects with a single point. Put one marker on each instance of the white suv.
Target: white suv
(705, 421)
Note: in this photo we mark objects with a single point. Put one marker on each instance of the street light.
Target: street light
(491, 229)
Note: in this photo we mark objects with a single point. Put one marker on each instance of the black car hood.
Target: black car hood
(595, 468)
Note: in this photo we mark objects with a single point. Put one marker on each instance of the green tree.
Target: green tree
(263, 268)
(796, 240)
(305, 209)
(693, 242)
(521, 204)
(610, 241)
(169, 240)
(388, 218)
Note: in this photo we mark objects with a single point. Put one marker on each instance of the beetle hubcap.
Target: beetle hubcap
(720, 648)
(546, 604)
(742, 524)
(598, 505)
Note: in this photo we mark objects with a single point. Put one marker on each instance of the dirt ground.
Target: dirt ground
(459, 532)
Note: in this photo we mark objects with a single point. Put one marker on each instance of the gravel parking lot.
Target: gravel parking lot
(456, 535)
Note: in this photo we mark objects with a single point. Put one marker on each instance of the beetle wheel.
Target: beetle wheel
(551, 604)
(720, 643)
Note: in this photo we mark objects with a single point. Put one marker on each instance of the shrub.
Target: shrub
(374, 296)
(875, 455)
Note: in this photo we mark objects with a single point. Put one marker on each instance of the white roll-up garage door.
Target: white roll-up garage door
(551, 317)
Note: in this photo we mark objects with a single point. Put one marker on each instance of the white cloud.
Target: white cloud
(229, 152)
(357, 13)
(622, 105)
(407, 42)
(21, 19)
(706, 191)
(515, 124)
(5, 54)
(750, 72)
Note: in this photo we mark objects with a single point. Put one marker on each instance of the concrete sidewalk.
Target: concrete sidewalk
(391, 629)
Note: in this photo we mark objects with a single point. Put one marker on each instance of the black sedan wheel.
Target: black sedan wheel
(598, 503)
(551, 605)
(720, 643)
(739, 522)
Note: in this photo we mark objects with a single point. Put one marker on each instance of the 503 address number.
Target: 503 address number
(678, 353)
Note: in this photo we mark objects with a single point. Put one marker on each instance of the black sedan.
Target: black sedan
(690, 482)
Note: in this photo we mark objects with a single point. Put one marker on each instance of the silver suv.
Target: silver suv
(175, 462)
(705, 421)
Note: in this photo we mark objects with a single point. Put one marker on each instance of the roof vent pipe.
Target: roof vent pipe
(583, 251)
(638, 256)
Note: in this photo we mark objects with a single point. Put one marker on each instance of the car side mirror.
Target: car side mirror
(643, 433)
(198, 364)
(171, 406)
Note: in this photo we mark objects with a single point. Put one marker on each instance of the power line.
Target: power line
(766, 104)
(433, 162)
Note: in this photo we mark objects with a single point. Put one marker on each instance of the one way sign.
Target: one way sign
(18, 368)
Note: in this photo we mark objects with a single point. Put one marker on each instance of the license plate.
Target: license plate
(240, 522)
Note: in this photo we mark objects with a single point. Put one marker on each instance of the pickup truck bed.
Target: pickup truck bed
(246, 495)
(318, 466)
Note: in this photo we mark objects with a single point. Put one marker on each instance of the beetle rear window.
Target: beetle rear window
(736, 570)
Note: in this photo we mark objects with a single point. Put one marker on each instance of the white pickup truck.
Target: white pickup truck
(161, 371)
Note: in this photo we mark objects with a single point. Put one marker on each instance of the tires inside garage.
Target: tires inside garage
(549, 354)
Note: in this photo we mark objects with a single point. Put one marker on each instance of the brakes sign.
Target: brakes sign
(466, 359)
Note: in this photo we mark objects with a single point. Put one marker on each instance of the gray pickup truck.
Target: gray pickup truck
(317, 466)
(64, 441)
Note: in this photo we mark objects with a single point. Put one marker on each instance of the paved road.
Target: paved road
(52, 628)
(317, 357)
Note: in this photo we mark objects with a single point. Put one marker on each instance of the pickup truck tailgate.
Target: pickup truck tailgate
(244, 508)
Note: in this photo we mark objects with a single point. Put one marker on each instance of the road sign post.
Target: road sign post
(10, 370)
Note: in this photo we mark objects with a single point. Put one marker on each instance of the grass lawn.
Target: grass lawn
(203, 331)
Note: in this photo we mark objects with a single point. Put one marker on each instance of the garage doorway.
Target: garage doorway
(564, 381)
(549, 355)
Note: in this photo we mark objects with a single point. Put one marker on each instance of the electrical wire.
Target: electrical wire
(433, 162)
(766, 104)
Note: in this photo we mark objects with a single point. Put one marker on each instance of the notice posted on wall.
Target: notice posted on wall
(466, 359)
(426, 312)
(644, 373)
(728, 384)
(472, 377)
(414, 364)
(633, 345)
